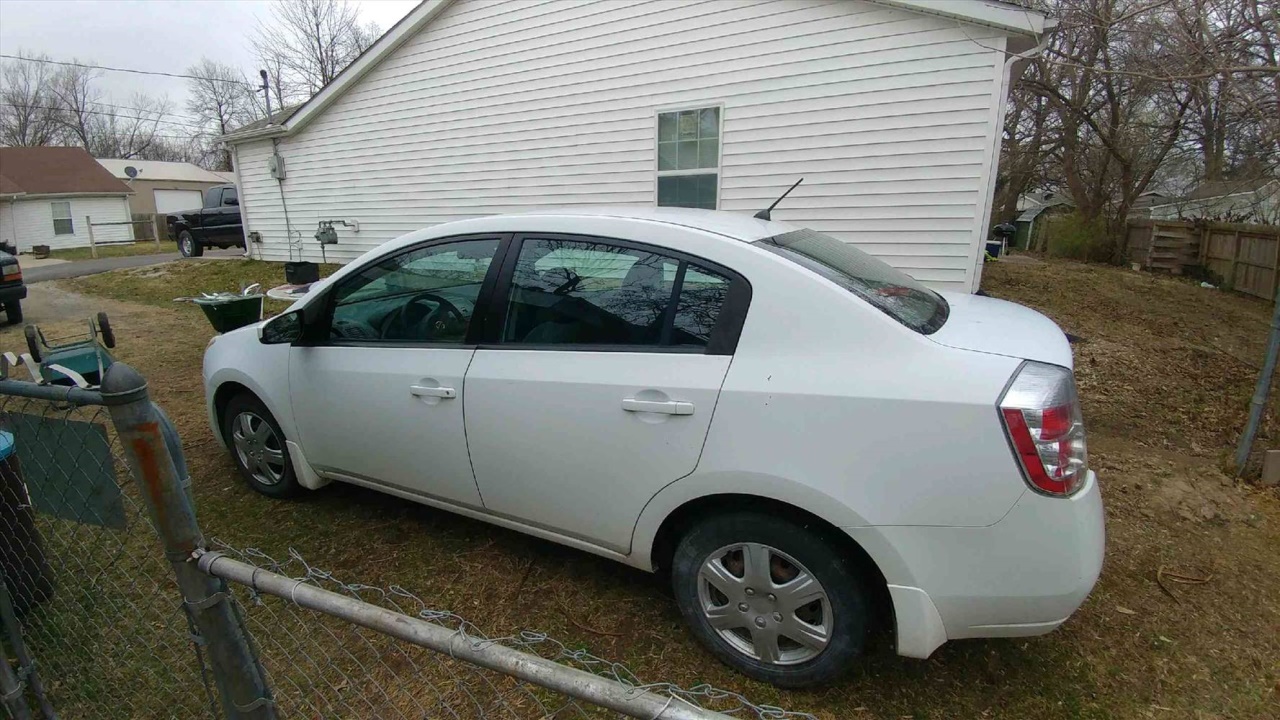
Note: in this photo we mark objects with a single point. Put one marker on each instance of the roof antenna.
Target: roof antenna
(764, 214)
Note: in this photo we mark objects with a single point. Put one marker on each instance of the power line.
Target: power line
(126, 70)
(109, 114)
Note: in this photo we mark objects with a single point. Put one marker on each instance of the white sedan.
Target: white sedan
(810, 443)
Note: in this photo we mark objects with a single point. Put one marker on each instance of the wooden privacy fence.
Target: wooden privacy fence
(1245, 258)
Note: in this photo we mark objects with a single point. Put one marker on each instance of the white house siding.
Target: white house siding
(32, 222)
(6, 221)
(890, 116)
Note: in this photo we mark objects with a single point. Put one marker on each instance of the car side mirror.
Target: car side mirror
(282, 329)
(231, 201)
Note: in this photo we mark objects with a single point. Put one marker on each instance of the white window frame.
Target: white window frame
(719, 169)
(53, 208)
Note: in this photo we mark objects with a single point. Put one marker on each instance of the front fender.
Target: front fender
(700, 485)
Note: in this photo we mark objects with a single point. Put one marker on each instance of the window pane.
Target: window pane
(63, 227)
(709, 122)
(701, 298)
(666, 156)
(228, 196)
(708, 153)
(213, 197)
(572, 292)
(689, 125)
(61, 210)
(427, 295)
(703, 191)
(688, 156)
(666, 127)
(667, 192)
(693, 191)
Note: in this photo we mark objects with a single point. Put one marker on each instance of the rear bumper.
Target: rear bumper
(1024, 575)
(10, 293)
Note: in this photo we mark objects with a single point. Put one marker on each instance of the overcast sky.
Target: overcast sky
(164, 35)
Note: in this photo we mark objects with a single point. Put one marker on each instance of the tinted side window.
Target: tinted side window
(427, 295)
(229, 196)
(568, 292)
(213, 197)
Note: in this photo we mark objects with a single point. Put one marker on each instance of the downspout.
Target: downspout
(1050, 25)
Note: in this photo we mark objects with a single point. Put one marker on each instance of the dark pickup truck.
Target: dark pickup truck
(12, 290)
(217, 224)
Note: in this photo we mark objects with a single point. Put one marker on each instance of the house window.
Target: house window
(62, 224)
(689, 158)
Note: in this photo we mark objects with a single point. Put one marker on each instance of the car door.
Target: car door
(378, 393)
(210, 215)
(598, 384)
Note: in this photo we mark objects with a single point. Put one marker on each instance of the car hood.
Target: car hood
(999, 327)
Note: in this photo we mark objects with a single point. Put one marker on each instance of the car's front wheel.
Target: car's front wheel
(258, 447)
(770, 598)
(188, 246)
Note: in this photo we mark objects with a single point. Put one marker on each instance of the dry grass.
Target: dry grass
(1165, 369)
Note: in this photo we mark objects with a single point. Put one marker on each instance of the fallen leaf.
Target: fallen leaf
(1125, 611)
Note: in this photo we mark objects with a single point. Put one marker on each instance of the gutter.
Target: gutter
(270, 131)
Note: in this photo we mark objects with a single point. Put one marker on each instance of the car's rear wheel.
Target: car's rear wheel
(258, 447)
(770, 598)
(13, 312)
(188, 246)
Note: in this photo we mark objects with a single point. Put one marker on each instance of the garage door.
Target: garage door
(168, 201)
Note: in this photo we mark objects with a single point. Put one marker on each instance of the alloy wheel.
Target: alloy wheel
(765, 604)
(259, 448)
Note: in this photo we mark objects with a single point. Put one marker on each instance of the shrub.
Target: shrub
(1077, 238)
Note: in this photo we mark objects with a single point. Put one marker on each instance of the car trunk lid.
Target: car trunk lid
(989, 325)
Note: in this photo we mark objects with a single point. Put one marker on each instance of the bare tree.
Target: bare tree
(308, 42)
(221, 99)
(103, 128)
(28, 108)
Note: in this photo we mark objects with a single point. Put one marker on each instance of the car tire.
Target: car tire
(13, 312)
(188, 246)
(733, 541)
(254, 448)
(104, 329)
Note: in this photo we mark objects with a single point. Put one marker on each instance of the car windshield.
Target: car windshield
(891, 291)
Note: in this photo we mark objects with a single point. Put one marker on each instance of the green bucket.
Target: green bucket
(228, 312)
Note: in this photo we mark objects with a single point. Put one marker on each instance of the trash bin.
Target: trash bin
(22, 560)
(228, 311)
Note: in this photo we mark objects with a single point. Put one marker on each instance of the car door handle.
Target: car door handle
(669, 407)
(436, 392)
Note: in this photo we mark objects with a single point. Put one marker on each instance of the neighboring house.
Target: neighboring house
(164, 187)
(48, 195)
(1141, 207)
(891, 111)
(1248, 201)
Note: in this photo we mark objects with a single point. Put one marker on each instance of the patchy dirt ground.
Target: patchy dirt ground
(1185, 622)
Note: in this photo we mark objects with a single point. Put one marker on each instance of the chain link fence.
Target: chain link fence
(89, 606)
(100, 620)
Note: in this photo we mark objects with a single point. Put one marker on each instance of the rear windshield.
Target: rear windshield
(892, 292)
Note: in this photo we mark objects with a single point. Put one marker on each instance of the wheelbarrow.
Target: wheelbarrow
(63, 360)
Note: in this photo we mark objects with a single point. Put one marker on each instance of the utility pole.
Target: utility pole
(266, 93)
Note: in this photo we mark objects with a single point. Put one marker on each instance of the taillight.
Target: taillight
(1041, 414)
(12, 272)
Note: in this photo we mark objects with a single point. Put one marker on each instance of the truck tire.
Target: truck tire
(13, 312)
(188, 246)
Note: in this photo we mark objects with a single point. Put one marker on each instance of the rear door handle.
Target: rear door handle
(436, 392)
(669, 407)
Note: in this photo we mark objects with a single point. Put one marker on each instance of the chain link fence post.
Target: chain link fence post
(12, 698)
(147, 436)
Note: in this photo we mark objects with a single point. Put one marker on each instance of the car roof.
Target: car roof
(734, 225)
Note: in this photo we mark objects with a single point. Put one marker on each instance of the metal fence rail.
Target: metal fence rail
(105, 622)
